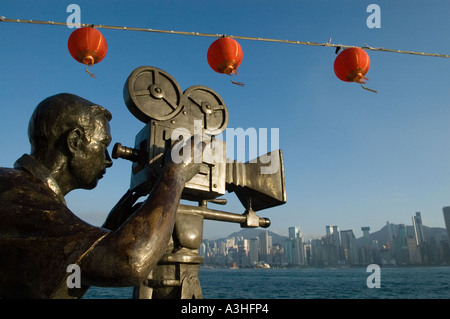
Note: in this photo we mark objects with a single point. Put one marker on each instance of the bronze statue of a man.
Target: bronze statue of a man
(40, 237)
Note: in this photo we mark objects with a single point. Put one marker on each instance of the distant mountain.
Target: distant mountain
(381, 235)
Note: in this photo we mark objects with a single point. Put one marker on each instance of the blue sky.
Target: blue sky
(352, 158)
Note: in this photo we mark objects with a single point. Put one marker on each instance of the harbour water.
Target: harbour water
(312, 283)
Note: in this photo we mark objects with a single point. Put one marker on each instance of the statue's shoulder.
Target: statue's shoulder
(7, 171)
(19, 182)
(12, 177)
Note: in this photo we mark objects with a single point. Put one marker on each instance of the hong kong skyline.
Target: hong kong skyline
(342, 226)
(394, 245)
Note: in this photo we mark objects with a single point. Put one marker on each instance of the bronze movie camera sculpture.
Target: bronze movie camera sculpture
(155, 98)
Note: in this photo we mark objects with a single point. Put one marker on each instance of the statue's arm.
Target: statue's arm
(124, 208)
(126, 256)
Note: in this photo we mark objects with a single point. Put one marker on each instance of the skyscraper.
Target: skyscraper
(264, 245)
(336, 236)
(253, 251)
(294, 232)
(294, 247)
(202, 250)
(366, 235)
(401, 245)
(299, 251)
(333, 239)
(366, 251)
(349, 247)
(389, 230)
(332, 232)
(446, 211)
(328, 230)
(418, 229)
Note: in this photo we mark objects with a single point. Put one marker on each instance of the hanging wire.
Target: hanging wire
(325, 44)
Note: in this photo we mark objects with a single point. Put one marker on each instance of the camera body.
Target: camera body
(156, 99)
(156, 139)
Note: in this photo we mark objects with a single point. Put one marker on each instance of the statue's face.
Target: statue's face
(91, 160)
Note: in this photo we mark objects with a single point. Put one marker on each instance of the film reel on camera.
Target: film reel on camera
(151, 93)
(209, 106)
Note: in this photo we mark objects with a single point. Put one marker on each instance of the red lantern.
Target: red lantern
(225, 55)
(87, 45)
(351, 65)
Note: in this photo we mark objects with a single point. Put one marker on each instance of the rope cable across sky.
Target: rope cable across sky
(124, 28)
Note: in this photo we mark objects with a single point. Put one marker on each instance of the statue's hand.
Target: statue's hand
(185, 157)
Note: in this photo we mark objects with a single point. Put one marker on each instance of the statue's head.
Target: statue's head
(68, 131)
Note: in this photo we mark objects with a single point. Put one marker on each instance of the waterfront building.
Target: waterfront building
(317, 252)
(418, 229)
(328, 230)
(265, 245)
(241, 256)
(446, 211)
(222, 248)
(366, 236)
(415, 256)
(366, 251)
(389, 231)
(295, 247)
(288, 248)
(202, 250)
(254, 251)
(336, 240)
(420, 240)
(294, 232)
(348, 243)
(299, 251)
(332, 243)
(333, 233)
(401, 245)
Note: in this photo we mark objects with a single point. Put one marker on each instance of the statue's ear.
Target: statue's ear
(74, 140)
